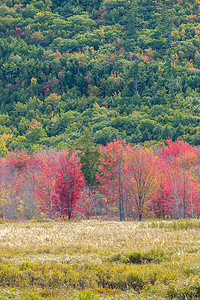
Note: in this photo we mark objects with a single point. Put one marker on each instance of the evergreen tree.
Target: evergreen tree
(146, 135)
(90, 155)
(196, 139)
(157, 132)
(167, 132)
(178, 132)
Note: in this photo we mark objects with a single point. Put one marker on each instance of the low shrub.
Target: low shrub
(154, 255)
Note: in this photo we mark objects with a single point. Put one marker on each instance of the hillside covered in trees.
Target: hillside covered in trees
(123, 69)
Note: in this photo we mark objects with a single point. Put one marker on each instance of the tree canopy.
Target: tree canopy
(123, 69)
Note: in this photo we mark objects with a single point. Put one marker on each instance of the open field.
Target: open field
(100, 260)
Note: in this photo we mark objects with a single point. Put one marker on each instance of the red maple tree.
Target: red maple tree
(68, 186)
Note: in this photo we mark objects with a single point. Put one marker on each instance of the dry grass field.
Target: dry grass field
(89, 260)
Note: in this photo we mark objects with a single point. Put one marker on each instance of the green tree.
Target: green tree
(90, 155)
(35, 134)
(167, 132)
(106, 135)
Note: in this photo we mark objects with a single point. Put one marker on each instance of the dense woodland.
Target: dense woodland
(123, 74)
(123, 69)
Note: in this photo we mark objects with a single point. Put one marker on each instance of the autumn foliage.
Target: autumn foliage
(69, 184)
(131, 183)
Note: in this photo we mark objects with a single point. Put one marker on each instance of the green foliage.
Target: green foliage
(153, 255)
(86, 296)
(59, 58)
(106, 135)
(90, 157)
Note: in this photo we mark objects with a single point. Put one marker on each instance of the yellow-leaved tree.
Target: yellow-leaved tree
(5, 139)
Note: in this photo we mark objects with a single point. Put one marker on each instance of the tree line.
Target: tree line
(115, 181)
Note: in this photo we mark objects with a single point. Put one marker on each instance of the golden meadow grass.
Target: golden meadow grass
(100, 260)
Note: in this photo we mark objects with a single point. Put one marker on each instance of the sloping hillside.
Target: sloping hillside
(124, 69)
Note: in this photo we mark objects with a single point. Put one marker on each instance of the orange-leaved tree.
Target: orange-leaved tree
(113, 178)
(143, 179)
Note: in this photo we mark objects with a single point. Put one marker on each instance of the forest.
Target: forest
(99, 109)
(121, 69)
(116, 181)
